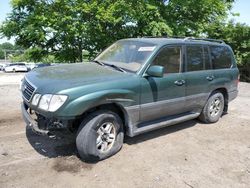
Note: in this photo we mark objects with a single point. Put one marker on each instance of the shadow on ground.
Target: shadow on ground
(65, 146)
(52, 147)
(62, 149)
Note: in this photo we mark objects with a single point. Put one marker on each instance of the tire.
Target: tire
(91, 134)
(213, 109)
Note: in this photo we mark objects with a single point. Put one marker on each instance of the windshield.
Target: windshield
(127, 54)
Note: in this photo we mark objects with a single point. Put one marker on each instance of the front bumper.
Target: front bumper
(31, 122)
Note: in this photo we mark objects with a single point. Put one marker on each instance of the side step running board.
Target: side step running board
(164, 123)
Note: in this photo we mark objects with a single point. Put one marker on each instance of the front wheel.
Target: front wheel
(100, 136)
(213, 109)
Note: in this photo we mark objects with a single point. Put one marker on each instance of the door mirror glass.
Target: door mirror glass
(156, 71)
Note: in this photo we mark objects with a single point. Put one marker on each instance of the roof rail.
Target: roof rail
(163, 36)
(205, 39)
(186, 38)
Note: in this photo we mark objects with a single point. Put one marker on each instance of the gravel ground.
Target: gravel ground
(189, 154)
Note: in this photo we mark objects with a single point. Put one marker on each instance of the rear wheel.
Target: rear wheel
(100, 136)
(213, 109)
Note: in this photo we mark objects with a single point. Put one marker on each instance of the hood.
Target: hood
(56, 78)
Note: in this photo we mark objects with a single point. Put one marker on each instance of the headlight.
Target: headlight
(44, 102)
(35, 99)
(51, 103)
(56, 102)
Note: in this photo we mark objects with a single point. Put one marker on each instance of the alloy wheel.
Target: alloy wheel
(215, 107)
(106, 137)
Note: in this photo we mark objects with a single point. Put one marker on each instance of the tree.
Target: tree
(3, 47)
(65, 28)
(33, 55)
(8, 48)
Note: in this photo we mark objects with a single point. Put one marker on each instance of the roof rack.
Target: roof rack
(163, 36)
(186, 38)
(205, 39)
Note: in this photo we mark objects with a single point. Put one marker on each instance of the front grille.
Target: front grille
(27, 90)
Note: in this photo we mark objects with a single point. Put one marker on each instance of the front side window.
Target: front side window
(169, 58)
(221, 57)
(127, 54)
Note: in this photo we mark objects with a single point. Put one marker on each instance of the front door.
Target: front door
(163, 97)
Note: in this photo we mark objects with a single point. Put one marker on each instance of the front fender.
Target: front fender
(80, 105)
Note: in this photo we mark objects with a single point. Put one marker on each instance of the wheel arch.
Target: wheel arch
(114, 107)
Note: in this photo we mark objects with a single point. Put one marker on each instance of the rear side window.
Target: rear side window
(170, 58)
(220, 57)
(194, 58)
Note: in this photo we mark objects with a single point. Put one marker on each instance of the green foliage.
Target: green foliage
(34, 55)
(10, 48)
(191, 18)
(64, 28)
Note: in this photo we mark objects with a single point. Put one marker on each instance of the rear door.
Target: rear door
(162, 97)
(224, 66)
(198, 75)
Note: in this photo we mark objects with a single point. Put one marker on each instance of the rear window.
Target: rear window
(194, 58)
(221, 57)
(197, 58)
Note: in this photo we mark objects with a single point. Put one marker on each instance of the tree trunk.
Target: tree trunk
(80, 55)
(80, 50)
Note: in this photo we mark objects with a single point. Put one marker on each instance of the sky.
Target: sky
(240, 6)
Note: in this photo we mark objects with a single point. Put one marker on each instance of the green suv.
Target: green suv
(134, 86)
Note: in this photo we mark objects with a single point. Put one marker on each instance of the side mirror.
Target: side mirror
(156, 71)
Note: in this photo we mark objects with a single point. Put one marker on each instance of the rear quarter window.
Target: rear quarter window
(221, 57)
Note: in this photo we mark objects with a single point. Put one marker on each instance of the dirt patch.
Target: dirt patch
(70, 164)
(10, 119)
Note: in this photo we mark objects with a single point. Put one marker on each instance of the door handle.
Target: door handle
(179, 82)
(210, 78)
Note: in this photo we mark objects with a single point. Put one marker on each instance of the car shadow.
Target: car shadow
(160, 132)
(52, 147)
(65, 145)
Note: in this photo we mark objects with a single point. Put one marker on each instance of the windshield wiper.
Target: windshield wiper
(116, 67)
(98, 62)
(110, 65)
